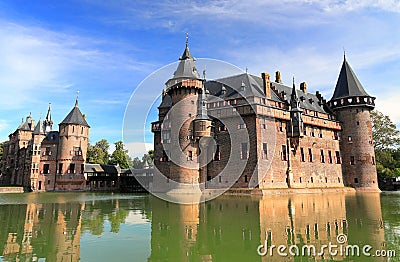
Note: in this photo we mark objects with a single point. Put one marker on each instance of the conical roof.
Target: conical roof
(75, 117)
(39, 128)
(348, 84)
(186, 68)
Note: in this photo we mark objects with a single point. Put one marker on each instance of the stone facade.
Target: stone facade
(40, 159)
(263, 134)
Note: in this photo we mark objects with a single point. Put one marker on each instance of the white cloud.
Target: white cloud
(138, 149)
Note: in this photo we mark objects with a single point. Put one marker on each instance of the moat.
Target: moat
(140, 227)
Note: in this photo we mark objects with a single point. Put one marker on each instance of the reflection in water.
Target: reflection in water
(229, 228)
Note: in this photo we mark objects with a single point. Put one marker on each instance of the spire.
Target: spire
(296, 125)
(186, 53)
(48, 123)
(186, 68)
(294, 101)
(77, 98)
(202, 113)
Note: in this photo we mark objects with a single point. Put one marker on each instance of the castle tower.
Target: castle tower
(72, 149)
(36, 179)
(183, 88)
(48, 123)
(296, 125)
(352, 105)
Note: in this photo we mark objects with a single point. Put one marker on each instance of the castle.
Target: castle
(40, 159)
(245, 131)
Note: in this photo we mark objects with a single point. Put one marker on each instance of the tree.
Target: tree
(120, 156)
(98, 154)
(384, 131)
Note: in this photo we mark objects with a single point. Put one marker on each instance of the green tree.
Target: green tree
(98, 154)
(120, 156)
(384, 131)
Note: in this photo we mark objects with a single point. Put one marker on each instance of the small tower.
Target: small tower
(48, 123)
(352, 105)
(72, 149)
(296, 125)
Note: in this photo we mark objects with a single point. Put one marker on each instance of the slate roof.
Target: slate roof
(253, 87)
(348, 84)
(51, 137)
(100, 168)
(186, 68)
(75, 117)
(39, 129)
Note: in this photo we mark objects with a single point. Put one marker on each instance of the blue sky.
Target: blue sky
(104, 49)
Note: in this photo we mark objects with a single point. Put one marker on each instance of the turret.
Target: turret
(296, 125)
(48, 123)
(73, 137)
(177, 131)
(352, 105)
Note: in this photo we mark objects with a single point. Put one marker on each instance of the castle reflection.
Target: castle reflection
(229, 228)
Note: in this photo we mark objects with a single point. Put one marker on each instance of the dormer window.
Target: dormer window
(242, 87)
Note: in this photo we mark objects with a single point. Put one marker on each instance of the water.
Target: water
(118, 227)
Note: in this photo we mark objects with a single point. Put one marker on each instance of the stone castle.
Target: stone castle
(245, 131)
(40, 159)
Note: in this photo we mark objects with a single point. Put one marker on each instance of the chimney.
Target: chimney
(266, 84)
(278, 77)
(318, 95)
(84, 116)
(303, 87)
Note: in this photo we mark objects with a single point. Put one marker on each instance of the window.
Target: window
(373, 160)
(190, 156)
(312, 180)
(244, 154)
(71, 169)
(46, 169)
(82, 168)
(302, 156)
(164, 157)
(284, 153)
(356, 180)
(322, 156)
(335, 135)
(222, 127)
(242, 126)
(338, 159)
(264, 153)
(217, 155)
(312, 133)
(349, 139)
(320, 132)
(263, 123)
(280, 126)
(330, 157)
(77, 151)
(82, 131)
(305, 131)
(352, 160)
(310, 156)
(219, 179)
(60, 168)
(166, 137)
(48, 151)
(245, 178)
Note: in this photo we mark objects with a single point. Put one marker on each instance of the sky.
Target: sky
(49, 50)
